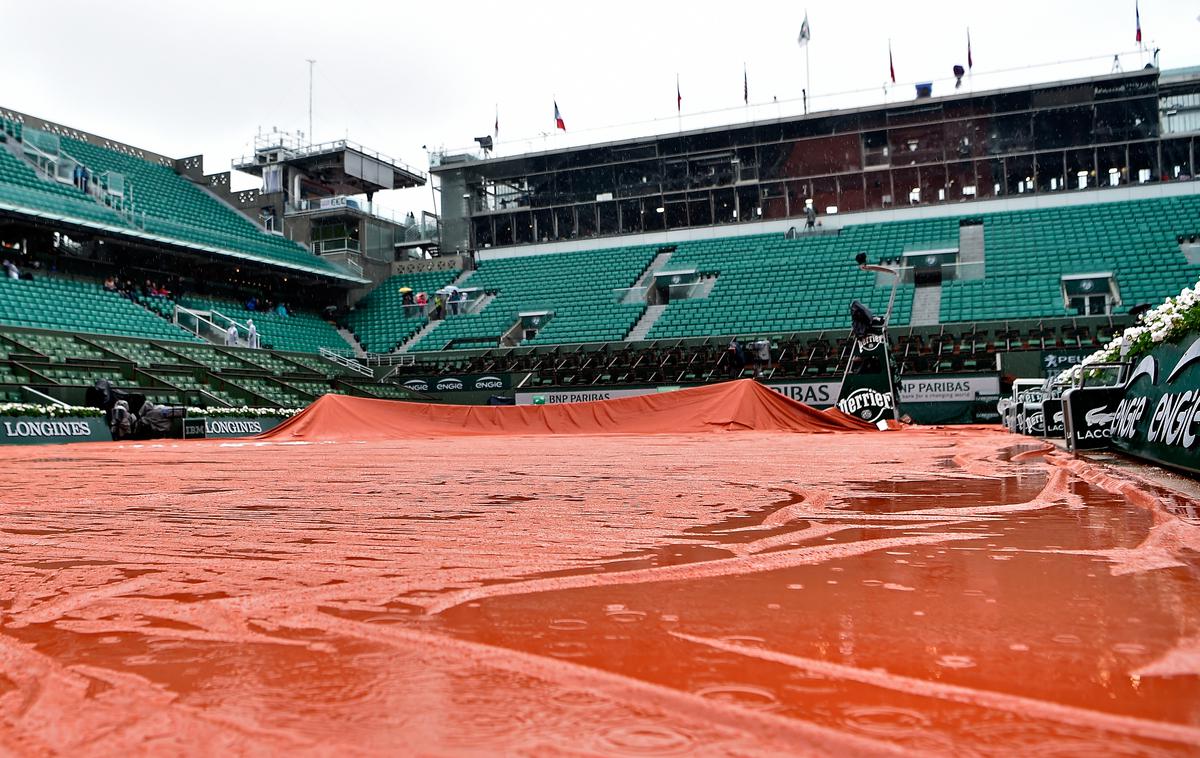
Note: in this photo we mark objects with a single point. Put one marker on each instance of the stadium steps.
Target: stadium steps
(351, 341)
(417, 336)
(643, 325)
(658, 264)
(926, 306)
(971, 247)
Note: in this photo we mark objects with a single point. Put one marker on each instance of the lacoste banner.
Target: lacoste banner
(1088, 413)
(458, 383)
(1053, 418)
(1159, 416)
(40, 431)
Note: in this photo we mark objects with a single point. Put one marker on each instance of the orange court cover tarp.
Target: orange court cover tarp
(743, 405)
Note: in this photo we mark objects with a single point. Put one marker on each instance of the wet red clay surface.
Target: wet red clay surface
(923, 591)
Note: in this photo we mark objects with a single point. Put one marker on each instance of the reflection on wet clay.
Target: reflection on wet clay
(753, 594)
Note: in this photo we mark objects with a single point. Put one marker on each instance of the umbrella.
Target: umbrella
(406, 289)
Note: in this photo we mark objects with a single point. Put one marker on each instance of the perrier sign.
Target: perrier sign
(1159, 416)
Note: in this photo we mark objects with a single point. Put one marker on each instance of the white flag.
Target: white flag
(805, 32)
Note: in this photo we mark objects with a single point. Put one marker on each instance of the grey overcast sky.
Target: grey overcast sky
(182, 78)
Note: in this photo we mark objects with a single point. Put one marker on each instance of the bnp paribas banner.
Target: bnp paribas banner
(1159, 416)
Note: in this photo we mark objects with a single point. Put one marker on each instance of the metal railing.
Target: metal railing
(346, 362)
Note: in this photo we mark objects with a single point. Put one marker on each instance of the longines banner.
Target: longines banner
(229, 426)
(460, 383)
(1159, 416)
(40, 431)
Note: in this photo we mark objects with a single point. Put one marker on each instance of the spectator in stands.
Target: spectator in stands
(281, 310)
(110, 284)
(460, 301)
(762, 355)
(810, 216)
(422, 300)
(251, 334)
(11, 269)
(252, 303)
(439, 307)
(231, 335)
(735, 358)
(406, 299)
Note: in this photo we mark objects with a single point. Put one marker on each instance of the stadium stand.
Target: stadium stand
(79, 306)
(580, 288)
(164, 204)
(379, 321)
(299, 331)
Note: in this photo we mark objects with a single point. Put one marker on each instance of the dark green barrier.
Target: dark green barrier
(1159, 416)
(40, 431)
(458, 383)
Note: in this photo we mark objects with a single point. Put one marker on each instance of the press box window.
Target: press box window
(1090, 294)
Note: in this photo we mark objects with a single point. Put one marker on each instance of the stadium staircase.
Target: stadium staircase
(348, 336)
(926, 305)
(645, 323)
(380, 323)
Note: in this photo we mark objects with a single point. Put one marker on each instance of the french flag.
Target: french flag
(1137, 15)
(558, 119)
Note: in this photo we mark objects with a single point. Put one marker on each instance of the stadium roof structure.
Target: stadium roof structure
(342, 166)
(457, 161)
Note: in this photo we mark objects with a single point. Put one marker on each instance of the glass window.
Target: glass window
(1051, 172)
(960, 181)
(964, 139)
(724, 206)
(564, 219)
(1081, 168)
(653, 214)
(774, 200)
(824, 193)
(1009, 134)
(989, 178)
(504, 229)
(876, 151)
(877, 189)
(1177, 159)
(544, 219)
(748, 208)
(1113, 165)
(483, 232)
(1018, 174)
(916, 144)
(798, 192)
(631, 216)
(523, 227)
(850, 193)
(1143, 162)
(907, 183)
(1062, 127)
(585, 215)
(700, 209)
(608, 217)
(676, 211)
(1126, 119)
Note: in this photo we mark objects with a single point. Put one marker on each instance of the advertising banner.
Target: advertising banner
(458, 383)
(1088, 413)
(868, 394)
(1159, 415)
(238, 426)
(20, 430)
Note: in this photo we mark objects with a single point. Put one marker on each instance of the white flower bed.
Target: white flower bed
(1175, 318)
(243, 412)
(35, 410)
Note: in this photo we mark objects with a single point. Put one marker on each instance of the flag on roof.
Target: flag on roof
(745, 86)
(1137, 16)
(558, 119)
(805, 31)
(891, 65)
(970, 60)
(496, 128)
(678, 96)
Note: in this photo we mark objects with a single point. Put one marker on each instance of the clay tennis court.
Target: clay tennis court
(928, 591)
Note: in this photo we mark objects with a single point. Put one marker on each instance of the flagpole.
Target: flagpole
(807, 77)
